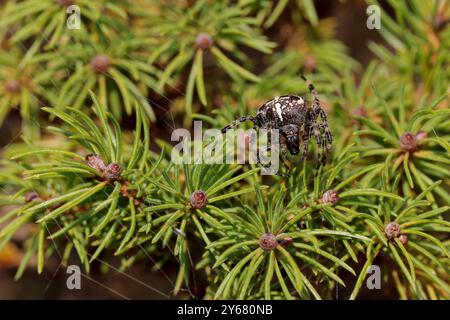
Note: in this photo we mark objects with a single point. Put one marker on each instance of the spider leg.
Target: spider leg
(320, 143)
(235, 123)
(326, 139)
(311, 89)
(283, 160)
(306, 135)
(268, 148)
(326, 129)
(324, 144)
(258, 161)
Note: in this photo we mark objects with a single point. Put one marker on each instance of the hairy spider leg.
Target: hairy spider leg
(318, 109)
(324, 144)
(268, 148)
(320, 143)
(284, 155)
(321, 140)
(306, 135)
(312, 90)
(237, 122)
(258, 159)
(326, 129)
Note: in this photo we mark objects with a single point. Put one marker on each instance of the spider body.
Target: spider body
(280, 111)
(296, 121)
(283, 113)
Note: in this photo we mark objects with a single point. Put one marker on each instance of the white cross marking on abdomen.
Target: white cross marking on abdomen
(278, 109)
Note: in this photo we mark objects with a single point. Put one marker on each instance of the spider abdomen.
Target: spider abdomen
(281, 111)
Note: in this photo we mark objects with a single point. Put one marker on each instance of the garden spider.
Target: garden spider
(296, 123)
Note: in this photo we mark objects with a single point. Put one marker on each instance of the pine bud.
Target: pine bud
(360, 111)
(203, 41)
(95, 161)
(199, 199)
(440, 22)
(392, 230)
(30, 196)
(268, 241)
(286, 241)
(100, 63)
(112, 172)
(408, 142)
(12, 86)
(403, 239)
(310, 63)
(421, 135)
(330, 197)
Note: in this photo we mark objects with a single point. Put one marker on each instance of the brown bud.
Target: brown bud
(268, 241)
(100, 63)
(198, 199)
(440, 22)
(330, 197)
(286, 241)
(310, 63)
(112, 172)
(421, 135)
(12, 86)
(403, 239)
(408, 142)
(203, 41)
(218, 101)
(286, 31)
(95, 161)
(30, 196)
(360, 111)
(392, 230)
